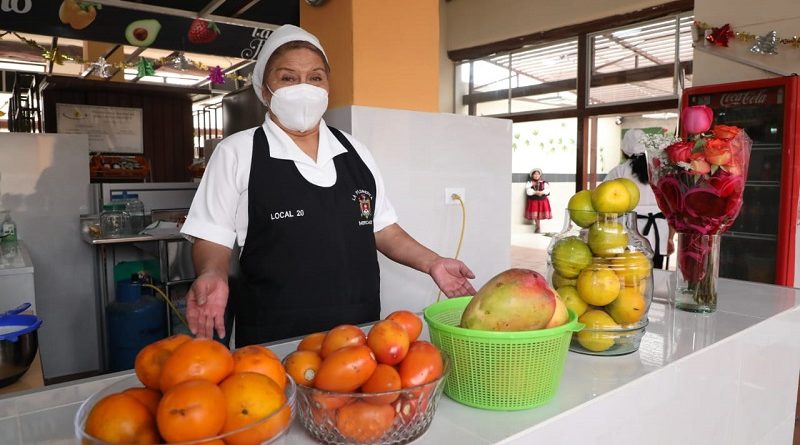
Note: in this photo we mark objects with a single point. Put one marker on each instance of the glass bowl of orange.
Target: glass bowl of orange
(392, 417)
(193, 391)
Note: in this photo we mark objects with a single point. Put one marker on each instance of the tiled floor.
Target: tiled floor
(529, 251)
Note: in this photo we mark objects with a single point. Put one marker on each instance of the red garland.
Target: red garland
(720, 36)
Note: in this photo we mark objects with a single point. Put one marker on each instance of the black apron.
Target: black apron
(309, 261)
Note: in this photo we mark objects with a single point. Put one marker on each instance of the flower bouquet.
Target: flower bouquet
(698, 184)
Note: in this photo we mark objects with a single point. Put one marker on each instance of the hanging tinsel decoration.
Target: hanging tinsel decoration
(55, 56)
(145, 68)
(216, 76)
(102, 68)
(719, 36)
(766, 44)
(179, 62)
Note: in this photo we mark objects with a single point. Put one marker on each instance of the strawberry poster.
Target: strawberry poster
(87, 20)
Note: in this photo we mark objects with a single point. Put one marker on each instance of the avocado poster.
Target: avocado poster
(87, 20)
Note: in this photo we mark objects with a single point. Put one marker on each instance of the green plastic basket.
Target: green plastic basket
(499, 370)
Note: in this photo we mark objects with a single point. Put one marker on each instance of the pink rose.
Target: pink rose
(680, 151)
(699, 165)
(697, 119)
(718, 151)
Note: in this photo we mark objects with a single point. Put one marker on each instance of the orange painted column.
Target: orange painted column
(382, 53)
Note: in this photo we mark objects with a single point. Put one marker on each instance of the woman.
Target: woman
(538, 205)
(306, 202)
(652, 223)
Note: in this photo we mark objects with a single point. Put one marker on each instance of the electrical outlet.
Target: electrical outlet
(450, 191)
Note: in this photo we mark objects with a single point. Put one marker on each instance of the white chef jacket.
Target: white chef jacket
(219, 210)
(647, 204)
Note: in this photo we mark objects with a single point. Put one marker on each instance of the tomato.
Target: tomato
(422, 364)
(409, 321)
(312, 342)
(385, 378)
(340, 337)
(303, 366)
(324, 406)
(389, 341)
(346, 369)
(363, 422)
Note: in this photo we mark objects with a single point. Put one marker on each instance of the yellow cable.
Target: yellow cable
(172, 306)
(461, 236)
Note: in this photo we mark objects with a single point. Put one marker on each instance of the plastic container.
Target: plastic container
(135, 209)
(132, 382)
(115, 221)
(602, 268)
(410, 413)
(499, 370)
(134, 321)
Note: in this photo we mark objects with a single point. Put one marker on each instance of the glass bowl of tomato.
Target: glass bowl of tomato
(124, 421)
(370, 418)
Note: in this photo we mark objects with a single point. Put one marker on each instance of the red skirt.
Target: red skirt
(538, 209)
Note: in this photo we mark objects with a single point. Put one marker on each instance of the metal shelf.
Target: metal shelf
(750, 235)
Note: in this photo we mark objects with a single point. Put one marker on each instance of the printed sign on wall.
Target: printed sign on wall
(110, 129)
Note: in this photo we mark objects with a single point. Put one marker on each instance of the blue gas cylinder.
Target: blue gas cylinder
(134, 321)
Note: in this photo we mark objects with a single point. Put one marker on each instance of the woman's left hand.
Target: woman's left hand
(452, 276)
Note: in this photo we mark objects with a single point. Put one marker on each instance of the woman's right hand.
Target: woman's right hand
(205, 305)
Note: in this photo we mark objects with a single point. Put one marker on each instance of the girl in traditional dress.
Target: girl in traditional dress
(538, 207)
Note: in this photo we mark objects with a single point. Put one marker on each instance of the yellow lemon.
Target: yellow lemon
(631, 267)
(629, 307)
(559, 280)
(611, 197)
(598, 286)
(607, 238)
(592, 339)
(633, 191)
(569, 295)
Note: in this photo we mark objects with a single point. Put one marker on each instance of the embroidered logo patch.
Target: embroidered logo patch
(364, 200)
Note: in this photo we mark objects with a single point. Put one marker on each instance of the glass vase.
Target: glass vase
(601, 267)
(695, 289)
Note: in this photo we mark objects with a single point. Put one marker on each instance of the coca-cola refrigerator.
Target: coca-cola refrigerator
(760, 245)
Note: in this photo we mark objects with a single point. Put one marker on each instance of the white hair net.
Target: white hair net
(282, 35)
(633, 142)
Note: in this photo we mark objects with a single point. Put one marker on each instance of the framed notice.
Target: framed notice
(110, 129)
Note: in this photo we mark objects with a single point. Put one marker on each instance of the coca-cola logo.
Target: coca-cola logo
(18, 6)
(751, 97)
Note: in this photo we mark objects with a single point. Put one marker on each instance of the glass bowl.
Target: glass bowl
(601, 267)
(385, 418)
(132, 382)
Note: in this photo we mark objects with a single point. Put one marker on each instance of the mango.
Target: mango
(514, 300)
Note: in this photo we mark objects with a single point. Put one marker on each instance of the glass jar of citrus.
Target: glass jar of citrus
(601, 267)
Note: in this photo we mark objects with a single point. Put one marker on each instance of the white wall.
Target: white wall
(419, 155)
(758, 18)
(44, 181)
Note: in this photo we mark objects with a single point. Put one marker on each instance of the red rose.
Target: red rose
(727, 185)
(705, 203)
(669, 196)
(680, 151)
(725, 131)
(718, 151)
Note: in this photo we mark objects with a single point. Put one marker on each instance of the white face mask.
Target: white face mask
(299, 107)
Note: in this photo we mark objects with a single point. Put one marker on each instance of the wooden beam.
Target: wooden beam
(581, 152)
(209, 8)
(653, 12)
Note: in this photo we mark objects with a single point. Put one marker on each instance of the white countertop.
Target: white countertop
(729, 377)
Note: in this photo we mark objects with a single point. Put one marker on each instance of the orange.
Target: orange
(363, 422)
(200, 358)
(342, 336)
(346, 369)
(260, 360)
(385, 378)
(150, 360)
(191, 410)
(312, 342)
(119, 418)
(146, 396)
(251, 397)
(409, 321)
(303, 366)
